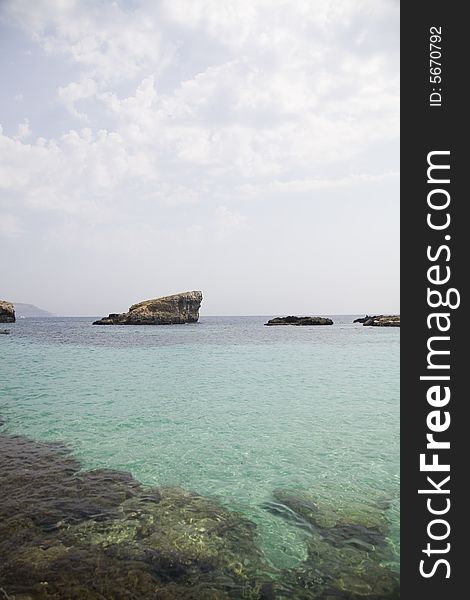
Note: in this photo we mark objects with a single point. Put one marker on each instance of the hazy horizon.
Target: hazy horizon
(247, 149)
(202, 313)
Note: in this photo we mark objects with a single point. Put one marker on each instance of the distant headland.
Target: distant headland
(168, 310)
(30, 310)
(17, 310)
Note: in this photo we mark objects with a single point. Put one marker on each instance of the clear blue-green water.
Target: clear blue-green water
(226, 407)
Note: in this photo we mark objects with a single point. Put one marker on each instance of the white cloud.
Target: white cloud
(76, 91)
(177, 114)
(174, 195)
(107, 40)
(309, 185)
(24, 130)
(296, 90)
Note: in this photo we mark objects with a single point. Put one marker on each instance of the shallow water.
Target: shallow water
(227, 408)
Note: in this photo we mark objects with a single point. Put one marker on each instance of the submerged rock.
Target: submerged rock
(333, 521)
(68, 533)
(339, 573)
(300, 321)
(168, 310)
(346, 550)
(4, 332)
(7, 312)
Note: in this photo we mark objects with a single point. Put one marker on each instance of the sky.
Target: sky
(245, 148)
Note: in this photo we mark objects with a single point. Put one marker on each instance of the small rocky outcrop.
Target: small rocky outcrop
(168, 310)
(7, 312)
(363, 319)
(300, 321)
(380, 321)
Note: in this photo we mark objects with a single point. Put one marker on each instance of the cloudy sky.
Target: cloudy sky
(247, 148)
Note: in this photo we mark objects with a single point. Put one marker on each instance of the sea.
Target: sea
(226, 408)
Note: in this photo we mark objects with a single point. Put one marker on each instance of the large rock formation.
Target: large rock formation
(380, 321)
(7, 312)
(300, 321)
(169, 310)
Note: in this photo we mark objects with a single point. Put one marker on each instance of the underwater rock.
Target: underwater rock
(343, 573)
(182, 535)
(346, 549)
(322, 515)
(68, 533)
(7, 312)
(300, 321)
(168, 310)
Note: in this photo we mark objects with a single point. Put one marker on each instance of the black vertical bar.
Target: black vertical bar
(433, 123)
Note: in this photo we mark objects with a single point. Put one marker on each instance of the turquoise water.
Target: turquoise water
(226, 407)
